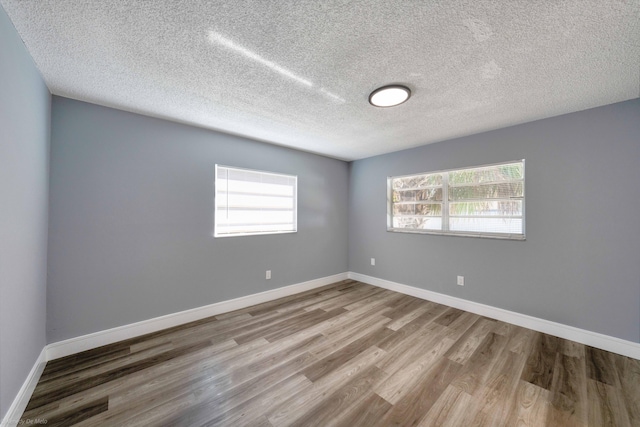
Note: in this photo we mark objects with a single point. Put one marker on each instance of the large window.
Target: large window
(484, 201)
(254, 202)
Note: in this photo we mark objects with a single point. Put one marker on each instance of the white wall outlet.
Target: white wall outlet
(268, 275)
(461, 280)
(373, 261)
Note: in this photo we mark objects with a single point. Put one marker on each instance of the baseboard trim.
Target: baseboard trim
(12, 417)
(97, 339)
(593, 339)
(110, 336)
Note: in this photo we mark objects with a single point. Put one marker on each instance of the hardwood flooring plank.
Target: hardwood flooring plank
(408, 317)
(188, 333)
(446, 318)
(95, 354)
(329, 297)
(404, 380)
(462, 324)
(530, 407)
(368, 412)
(44, 395)
(341, 300)
(140, 343)
(469, 342)
(218, 330)
(253, 411)
(406, 299)
(477, 368)
(569, 392)
(629, 373)
(215, 401)
(572, 349)
(242, 328)
(385, 298)
(411, 328)
(315, 303)
(348, 325)
(541, 362)
(279, 303)
(155, 416)
(521, 340)
(600, 366)
(416, 345)
(605, 406)
(290, 410)
(448, 410)
(185, 365)
(344, 323)
(270, 359)
(69, 380)
(503, 328)
(53, 371)
(268, 326)
(303, 323)
(344, 398)
(405, 305)
(70, 418)
(340, 338)
(262, 422)
(338, 358)
(176, 390)
(493, 397)
(346, 354)
(180, 329)
(416, 403)
(205, 393)
(199, 380)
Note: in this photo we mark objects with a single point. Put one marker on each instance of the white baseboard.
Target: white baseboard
(110, 336)
(12, 417)
(593, 339)
(97, 339)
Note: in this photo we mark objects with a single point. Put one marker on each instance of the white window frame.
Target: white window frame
(445, 206)
(221, 203)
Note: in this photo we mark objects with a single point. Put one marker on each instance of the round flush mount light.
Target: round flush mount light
(389, 96)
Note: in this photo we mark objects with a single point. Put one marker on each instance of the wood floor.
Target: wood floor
(348, 354)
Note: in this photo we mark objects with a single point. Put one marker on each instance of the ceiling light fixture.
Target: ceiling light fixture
(389, 96)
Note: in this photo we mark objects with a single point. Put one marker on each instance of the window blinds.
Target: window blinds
(254, 202)
(484, 201)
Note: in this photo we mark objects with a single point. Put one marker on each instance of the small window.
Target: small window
(251, 202)
(484, 201)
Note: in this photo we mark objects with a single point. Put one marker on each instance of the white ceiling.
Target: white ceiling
(298, 73)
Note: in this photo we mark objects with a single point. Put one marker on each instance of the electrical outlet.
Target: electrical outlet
(461, 280)
(373, 261)
(268, 275)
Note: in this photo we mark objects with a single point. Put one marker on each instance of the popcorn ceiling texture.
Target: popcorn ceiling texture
(298, 73)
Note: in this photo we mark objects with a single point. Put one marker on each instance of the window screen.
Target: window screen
(254, 202)
(484, 201)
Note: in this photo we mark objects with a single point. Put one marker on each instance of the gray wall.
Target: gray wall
(131, 220)
(24, 149)
(580, 264)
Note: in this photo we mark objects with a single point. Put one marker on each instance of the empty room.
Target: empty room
(319, 213)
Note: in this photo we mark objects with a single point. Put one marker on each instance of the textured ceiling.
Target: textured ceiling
(298, 73)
